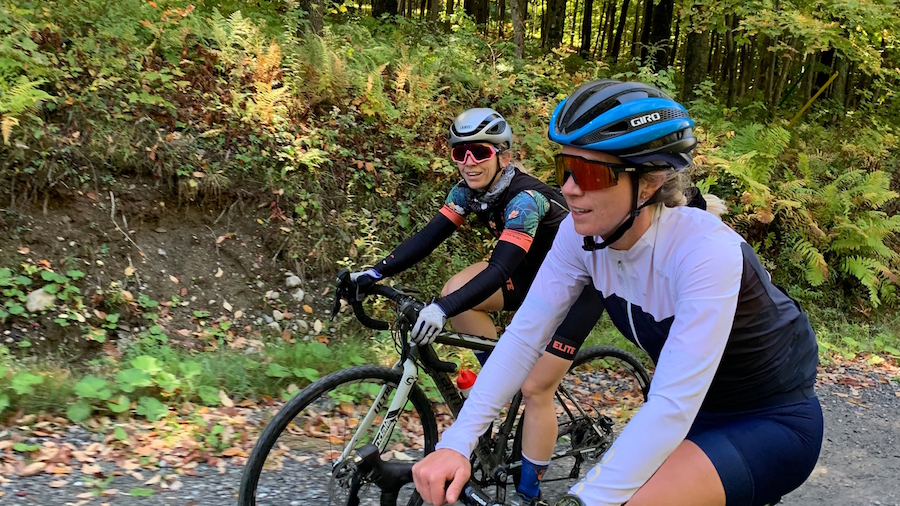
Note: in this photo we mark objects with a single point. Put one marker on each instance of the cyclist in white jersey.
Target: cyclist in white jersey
(731, 417)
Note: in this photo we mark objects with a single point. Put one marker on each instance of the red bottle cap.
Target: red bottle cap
(465, 379)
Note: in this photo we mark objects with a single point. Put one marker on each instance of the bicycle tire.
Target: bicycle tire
(325, 393)
(630, 384)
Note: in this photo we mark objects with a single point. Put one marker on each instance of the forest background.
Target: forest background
(325, 124)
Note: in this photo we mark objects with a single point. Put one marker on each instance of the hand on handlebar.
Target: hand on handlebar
(363, 281)
(432, 474)
(431, 320)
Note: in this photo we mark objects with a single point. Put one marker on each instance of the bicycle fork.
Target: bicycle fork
(409, 378)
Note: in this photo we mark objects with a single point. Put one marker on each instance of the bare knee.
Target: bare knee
(456, 282)
(537, 392)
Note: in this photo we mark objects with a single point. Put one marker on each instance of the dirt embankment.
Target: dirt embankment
(223, 262)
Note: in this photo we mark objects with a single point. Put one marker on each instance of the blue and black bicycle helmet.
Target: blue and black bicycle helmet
(634, 121)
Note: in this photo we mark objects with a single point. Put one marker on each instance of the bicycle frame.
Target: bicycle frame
(490, 454)
(491, 462)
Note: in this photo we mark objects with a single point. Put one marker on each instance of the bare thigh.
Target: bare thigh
(686, 478)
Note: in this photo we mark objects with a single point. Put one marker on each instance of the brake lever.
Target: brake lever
(341, 290)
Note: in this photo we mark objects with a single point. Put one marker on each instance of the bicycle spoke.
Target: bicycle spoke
(303, 463)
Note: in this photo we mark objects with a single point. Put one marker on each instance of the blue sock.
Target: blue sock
(482, 356)
(532, 472)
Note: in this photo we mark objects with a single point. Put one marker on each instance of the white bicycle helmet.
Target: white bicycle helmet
(481, 125)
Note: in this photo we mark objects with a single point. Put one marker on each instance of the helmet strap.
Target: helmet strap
(591, 245)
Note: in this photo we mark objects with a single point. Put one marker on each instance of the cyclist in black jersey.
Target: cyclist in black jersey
(523, 213)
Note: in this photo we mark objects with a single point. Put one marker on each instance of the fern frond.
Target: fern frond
(23, 96)
(866, 271)
(6, 125)
(816, 267)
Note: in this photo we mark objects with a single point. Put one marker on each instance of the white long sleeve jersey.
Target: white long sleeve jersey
(687, 290)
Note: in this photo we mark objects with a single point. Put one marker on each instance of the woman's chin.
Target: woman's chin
(586, 229)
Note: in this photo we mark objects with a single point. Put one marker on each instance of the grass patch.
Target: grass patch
(148, 372)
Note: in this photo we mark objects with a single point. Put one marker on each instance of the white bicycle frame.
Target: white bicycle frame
(408, 379)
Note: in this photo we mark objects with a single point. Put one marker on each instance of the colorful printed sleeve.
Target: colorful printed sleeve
(523, 215)
(455, 206)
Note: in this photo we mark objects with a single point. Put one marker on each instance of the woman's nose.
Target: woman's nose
(570, 187)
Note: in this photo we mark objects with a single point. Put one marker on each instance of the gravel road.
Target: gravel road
(859, 464)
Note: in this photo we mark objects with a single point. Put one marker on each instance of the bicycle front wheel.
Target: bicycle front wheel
(306, 454)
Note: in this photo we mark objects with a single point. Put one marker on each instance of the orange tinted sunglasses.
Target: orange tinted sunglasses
(589, 175)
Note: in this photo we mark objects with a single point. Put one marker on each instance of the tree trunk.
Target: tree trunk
(661, 32)
(839, 88)
(787, 67)
(646, 23)
(716, 58)
(731, 58)
(481, 12)
(673, 53)
(696, 60)
(598, 44)
(380, 7)
(517, 10)
(434, 10)
(746, 58)
(451, 7)
(315, 9)
(617, 42)
(610, 24)
(849, 103)
(770, 72)
(635, 32)
(554, 22)
(586, 28)
(502, 20)
(574, 19)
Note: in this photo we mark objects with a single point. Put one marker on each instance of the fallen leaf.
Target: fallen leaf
(129, 270)
(85, 495)
(44, 263)
(58, 483)
(234, 452)
(322, 339)
(220, 239)
(154, 480)
(226, 305)
(90, 469)
(223, 398)
(219, 272)
(238, 314)
(317, 326)
(307, 308)
(33, 468)
(23, 251)
(173, 279)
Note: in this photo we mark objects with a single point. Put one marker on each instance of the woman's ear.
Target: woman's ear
(504, 158)
(649, 183)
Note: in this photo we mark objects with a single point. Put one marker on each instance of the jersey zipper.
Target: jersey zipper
(633, 331)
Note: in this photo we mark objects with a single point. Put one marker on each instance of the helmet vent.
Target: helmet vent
(499, 127)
